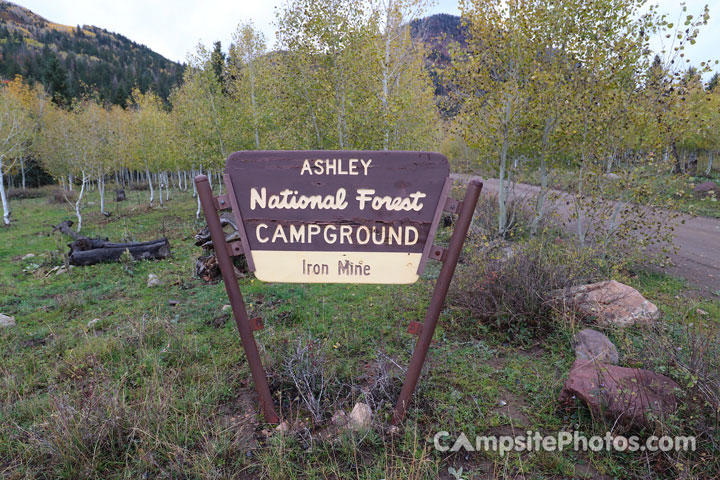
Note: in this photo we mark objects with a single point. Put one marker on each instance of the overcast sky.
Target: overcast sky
(174, 27)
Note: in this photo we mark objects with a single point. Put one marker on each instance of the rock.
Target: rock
(339, 419)
(173, 303)
(612, 176)
(6, 320)
(622, 395)
(93, 322)
(226, 308)
(707, 188)
(360, 417)
(702, 312)
(502, 403)
(590, 344)
(153, 280)
(28, 256)
(62, 270)
(611, 303)
(283, 427)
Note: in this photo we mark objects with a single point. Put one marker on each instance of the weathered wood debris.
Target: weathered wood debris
(206, 266)
(89, 251)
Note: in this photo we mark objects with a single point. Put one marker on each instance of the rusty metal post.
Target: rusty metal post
(236, 298)
(438, 299)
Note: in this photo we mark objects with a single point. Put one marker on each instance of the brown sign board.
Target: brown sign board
(337, 216)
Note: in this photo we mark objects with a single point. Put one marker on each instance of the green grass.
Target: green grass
(153, 390)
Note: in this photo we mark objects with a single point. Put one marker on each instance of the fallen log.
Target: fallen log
(89, 251)
(109, 252)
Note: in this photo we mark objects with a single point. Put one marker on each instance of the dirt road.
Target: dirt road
(698, 240)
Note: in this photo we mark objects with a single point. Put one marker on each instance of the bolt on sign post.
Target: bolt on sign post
(337, 217)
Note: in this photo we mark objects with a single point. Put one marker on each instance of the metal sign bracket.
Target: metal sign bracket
(448, 256)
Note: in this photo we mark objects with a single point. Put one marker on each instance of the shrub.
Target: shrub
(511, 287)
(485, 221)
(20, 194)
(61, 196)
(689, 353)
(138, 187)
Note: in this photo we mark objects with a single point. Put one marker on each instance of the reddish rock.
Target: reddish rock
(611, 303)
(590, 344)
(626, 396)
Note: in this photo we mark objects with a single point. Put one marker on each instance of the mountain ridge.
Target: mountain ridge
(74, 61)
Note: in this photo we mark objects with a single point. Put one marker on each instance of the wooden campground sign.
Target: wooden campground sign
(337, 216)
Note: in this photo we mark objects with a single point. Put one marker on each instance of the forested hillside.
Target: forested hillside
(72, 61)
(438, 33)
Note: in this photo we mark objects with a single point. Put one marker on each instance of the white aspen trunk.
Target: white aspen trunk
(197, 214)
(254, 106)
(708, 170)
(220, 184)
(193, 174)
(22, 171)
(217, 129)
(77, 203)
(540, 208)
(502, 193)
(580, 231)
(149, 179)
(386, 80)
(167, 186)
(3, 196)
(160, 181)
(339, 103)
(70, 182)
(101, 189)
(613, 219)
(312, 108)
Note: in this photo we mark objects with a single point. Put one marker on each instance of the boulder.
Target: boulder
(28, 256)
(707, 188)
(612, 176)
(592, 345)
(6, 320)
(625, 396)
(153, 280)
(611, 303)
(360, 417)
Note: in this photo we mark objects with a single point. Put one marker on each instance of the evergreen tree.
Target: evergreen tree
(713, 82)
(217, 61)
(55, 79)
